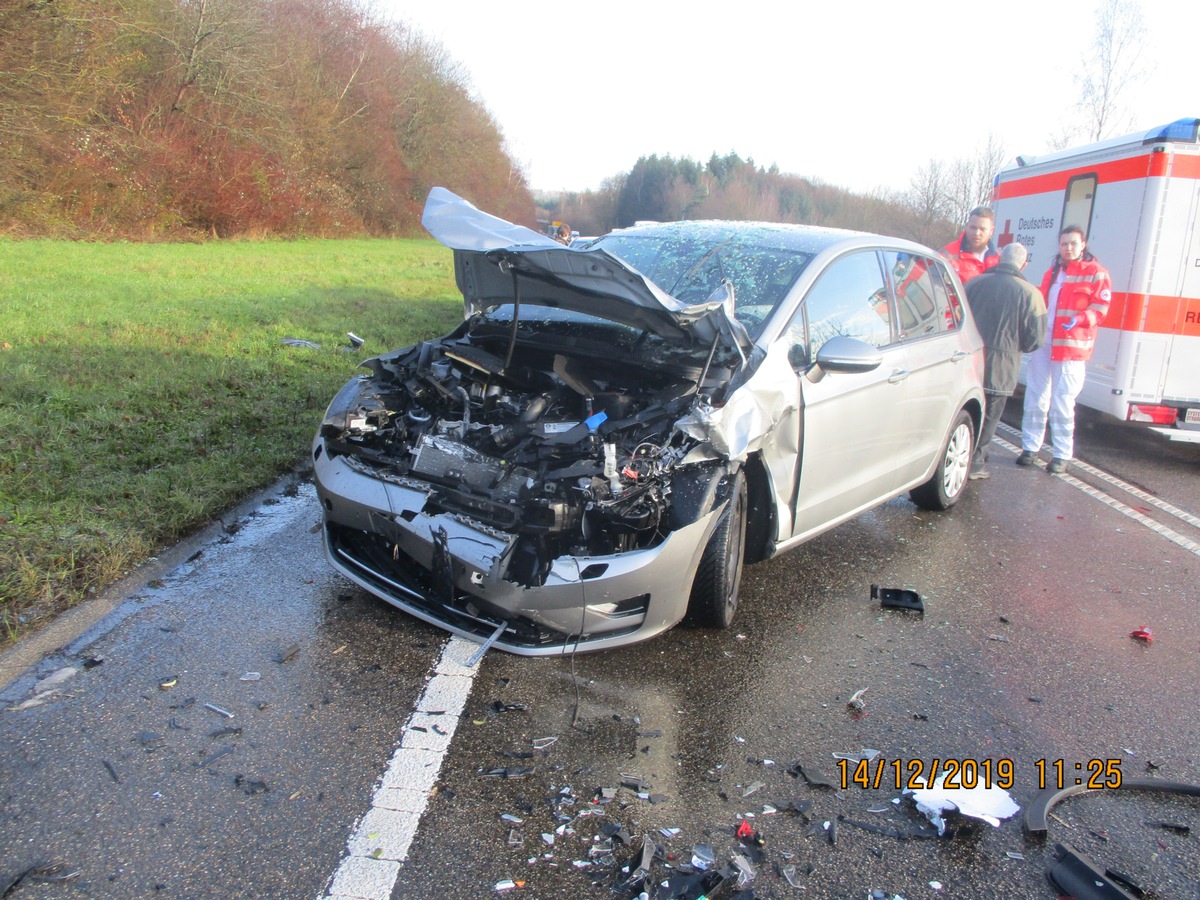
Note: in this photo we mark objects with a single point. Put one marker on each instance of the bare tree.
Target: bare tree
(928, 201)
(969, 180)
(1116, 62)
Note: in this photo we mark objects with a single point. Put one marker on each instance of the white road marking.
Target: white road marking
(1175, 537)
(379, 845)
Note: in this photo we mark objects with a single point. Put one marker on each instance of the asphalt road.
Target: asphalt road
(231, 727)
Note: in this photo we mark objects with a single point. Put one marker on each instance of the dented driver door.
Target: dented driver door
(848, 421)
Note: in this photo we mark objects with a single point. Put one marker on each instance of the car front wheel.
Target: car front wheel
(949, 479)
(715, 590)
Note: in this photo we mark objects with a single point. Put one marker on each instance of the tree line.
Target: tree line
(164, 118)
(661, 188)
(177, 118)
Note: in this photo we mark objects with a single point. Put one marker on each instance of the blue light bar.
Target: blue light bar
(1181, 130)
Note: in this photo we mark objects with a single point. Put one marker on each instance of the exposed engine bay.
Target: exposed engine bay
(574, 455)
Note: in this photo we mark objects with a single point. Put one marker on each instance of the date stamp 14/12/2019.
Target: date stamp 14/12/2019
(881, 773)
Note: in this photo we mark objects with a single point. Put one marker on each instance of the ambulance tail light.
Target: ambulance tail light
(1157, 415)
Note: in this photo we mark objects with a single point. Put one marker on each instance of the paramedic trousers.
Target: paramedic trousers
(1050, 391)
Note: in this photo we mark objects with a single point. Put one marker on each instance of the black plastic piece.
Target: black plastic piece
(1077, 876)
(1036, 812)
(897, 598)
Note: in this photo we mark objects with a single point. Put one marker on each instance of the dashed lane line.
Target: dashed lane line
(379, 844)
(1108, 500)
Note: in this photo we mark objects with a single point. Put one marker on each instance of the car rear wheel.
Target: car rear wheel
(949, 479)
(715, 589)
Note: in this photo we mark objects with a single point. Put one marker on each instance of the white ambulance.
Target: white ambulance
(1137, 198)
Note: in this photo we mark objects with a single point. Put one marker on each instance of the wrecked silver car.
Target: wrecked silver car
(617, 427)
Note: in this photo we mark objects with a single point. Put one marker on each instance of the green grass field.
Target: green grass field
(144, 388)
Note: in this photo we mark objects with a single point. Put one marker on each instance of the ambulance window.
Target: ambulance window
(921, 302)
(1078, 202)
(850, 298)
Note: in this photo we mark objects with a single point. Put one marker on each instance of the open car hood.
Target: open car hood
(496, 261)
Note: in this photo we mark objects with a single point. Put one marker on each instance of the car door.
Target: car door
(850, 422)
(930, 349)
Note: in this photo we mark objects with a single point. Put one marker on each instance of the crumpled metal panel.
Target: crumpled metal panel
(761, 416)
(488, 249)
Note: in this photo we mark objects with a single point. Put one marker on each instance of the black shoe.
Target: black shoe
(1057, 466)
(979, 475)
(1026, 459)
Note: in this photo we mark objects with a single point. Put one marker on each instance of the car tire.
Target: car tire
(949, 479)
(714, 595)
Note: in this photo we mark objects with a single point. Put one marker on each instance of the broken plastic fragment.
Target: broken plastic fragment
(865, 754)
(745, 870)
(288, 653)
(753, 787)
(1177, 827)
(634, 783)
(167, 683)
(214, 757)
(990, 804)
(251, 676)
(508, 772)
(223, 712)
(897, 598)
(810, 773)
(1142, 634)
(703, 857)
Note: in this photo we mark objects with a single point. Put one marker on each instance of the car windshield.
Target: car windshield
(690, 266)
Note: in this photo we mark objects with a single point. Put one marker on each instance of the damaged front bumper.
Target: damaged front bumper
(450, 570)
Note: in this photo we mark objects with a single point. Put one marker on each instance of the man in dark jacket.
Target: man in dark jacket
(1010, 314)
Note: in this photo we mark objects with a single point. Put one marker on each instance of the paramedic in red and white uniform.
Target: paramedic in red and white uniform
(973, 253)
(1077, 291)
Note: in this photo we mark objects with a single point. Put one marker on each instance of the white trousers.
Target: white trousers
(1050, 392)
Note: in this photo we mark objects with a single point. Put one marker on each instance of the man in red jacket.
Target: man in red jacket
(973, 253)
(1077, 290)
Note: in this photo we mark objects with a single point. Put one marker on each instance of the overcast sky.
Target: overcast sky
(856, 94)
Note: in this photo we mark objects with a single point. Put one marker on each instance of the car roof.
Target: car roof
(803, 238)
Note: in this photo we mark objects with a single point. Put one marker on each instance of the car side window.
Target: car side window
(926, 299)
(849, 298)
(950, 300)
(916, 298)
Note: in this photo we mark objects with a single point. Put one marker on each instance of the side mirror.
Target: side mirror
(844, 355)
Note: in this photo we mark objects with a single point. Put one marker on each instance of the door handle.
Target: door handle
(897, 376)
(959, 356)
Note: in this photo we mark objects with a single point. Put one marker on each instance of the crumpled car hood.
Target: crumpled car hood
(488, 251)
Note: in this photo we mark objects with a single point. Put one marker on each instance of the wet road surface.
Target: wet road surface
(1031, 588)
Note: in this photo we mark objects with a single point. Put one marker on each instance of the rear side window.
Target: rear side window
(926, 300)
(850, 298)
